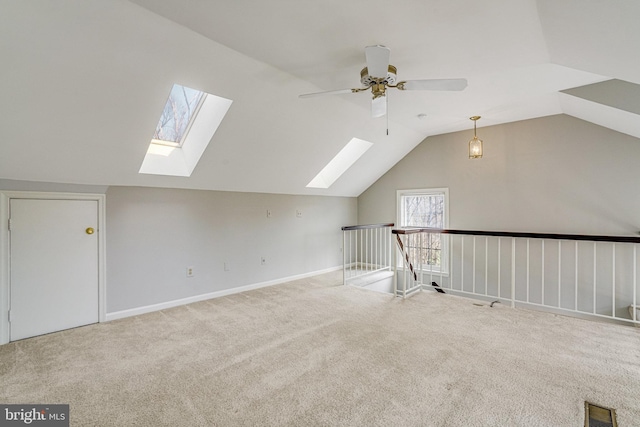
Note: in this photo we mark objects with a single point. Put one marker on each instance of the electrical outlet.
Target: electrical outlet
(190, 272)
(298, 213)
(263, 260)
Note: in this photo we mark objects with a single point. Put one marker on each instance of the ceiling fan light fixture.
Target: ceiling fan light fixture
(475, 145)
(368, 80)
(379, 106)
(379, 75)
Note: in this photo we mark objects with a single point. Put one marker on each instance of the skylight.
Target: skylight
(188, 121)
(179, 112)
(340, 163)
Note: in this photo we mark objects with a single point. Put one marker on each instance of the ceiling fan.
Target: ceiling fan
(379, 75)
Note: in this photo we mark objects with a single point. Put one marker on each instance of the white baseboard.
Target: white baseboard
(217, 294)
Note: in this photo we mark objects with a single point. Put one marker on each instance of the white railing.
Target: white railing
(409, 279)
(581, 275)
(366, 250)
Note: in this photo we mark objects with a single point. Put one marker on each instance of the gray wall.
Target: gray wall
(553, 174)
(154, 234)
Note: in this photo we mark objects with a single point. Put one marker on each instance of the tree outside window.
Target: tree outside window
(179, 111)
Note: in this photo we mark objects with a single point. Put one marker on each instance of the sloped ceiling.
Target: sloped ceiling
(83, 82)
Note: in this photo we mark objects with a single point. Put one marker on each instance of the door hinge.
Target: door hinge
(9, 224)
(9, 316)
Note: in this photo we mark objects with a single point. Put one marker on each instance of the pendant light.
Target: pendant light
(475, 145)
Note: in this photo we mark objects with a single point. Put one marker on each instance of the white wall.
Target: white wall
(555, 174)
(153, 235)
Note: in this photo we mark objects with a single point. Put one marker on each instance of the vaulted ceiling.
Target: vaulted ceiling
(83, 82)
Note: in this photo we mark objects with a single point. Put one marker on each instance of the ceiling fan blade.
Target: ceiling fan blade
(379, 106)
(329, 92)
(434, 84)
(377, 60)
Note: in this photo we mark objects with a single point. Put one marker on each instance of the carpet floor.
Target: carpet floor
(315, 353)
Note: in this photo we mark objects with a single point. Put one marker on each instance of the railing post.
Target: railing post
(559, 273)
(613, 282)
(576, 276)
(462, 263)
(499, 267)
(441, 259)
(513, 273)
(366, 249)
(376, 260)
(395, 268)
(344, 257)
(430, 258)
(350, 256)
(391, 247)
(358, 252)
(450, 261)
(473, 271)
(420, 266)
(528, 275)
(634, 309)
(486, 265)
(542, 278)
(595, 274)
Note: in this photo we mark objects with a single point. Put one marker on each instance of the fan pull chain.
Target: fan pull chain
(386, 99)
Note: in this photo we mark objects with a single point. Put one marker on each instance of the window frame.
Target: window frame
(443, 269)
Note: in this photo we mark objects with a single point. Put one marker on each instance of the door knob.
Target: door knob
(89, 230)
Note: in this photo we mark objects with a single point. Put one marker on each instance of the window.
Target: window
(349, 154)
(426, 208)
(179, 112)
(187, 124)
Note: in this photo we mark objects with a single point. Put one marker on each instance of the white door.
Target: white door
(53, 265)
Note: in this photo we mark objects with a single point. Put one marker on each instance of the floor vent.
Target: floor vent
(598, 416)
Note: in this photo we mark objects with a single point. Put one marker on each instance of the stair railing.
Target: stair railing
(580, 275)
(407, 281)
(366, 249)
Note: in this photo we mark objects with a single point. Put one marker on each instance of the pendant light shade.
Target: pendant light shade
(475, 145)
